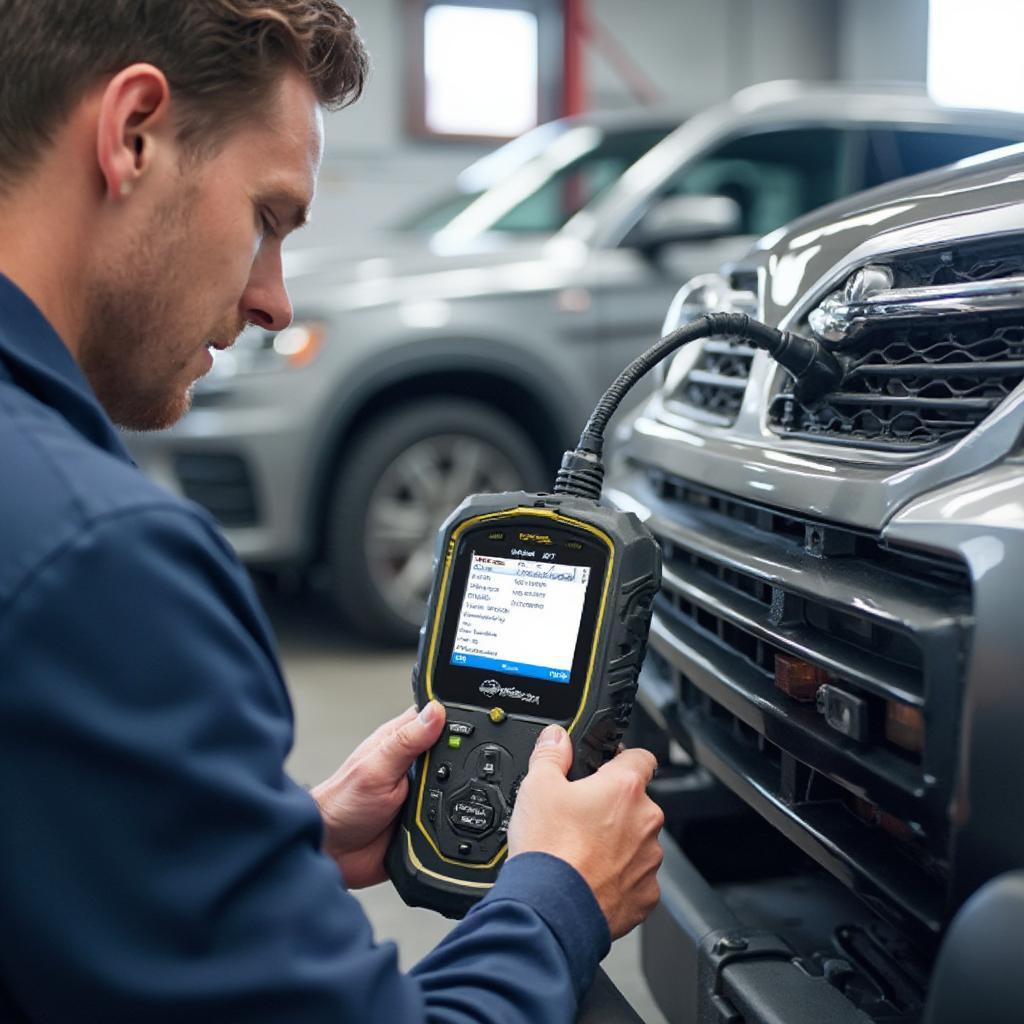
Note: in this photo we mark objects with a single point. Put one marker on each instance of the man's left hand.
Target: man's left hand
(361, 800)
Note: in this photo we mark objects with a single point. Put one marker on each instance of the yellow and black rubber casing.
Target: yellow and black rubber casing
(450, 841)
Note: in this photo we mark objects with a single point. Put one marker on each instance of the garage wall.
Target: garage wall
(698, 52)
(695, 52)
(884, 40)
(371, 174)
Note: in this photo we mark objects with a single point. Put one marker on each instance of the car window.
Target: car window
(882, 161)
(773, 176)
(435, 216)
(897, 153)
(564, 194)
(921, 151)
(483, 174)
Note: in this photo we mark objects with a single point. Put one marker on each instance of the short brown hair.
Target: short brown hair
(222, 59)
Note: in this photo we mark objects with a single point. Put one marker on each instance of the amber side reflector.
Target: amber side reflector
(904, 726)
(872, 815)
(797, 678)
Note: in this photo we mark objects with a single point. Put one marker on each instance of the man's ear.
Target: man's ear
(134, 114)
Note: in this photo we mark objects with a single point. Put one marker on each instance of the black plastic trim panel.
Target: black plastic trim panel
(745, 584)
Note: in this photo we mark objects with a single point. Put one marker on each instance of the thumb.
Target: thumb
(553, 750)
(405, 744)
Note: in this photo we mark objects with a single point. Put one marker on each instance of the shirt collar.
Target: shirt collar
(37, 361)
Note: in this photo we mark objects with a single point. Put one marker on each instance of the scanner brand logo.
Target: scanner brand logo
(492, 688)
(536, 538)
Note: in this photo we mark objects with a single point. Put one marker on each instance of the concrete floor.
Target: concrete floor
(342, 689)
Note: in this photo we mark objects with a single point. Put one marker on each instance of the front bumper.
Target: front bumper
(917, 608)
(705, 964)
(252, 468)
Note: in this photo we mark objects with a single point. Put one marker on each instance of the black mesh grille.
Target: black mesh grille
(922, 384)
(744, 280)
(715, 383)
(913, 387)
(957, 266)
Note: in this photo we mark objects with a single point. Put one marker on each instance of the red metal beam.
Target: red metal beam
(637, 80)
(574, 92)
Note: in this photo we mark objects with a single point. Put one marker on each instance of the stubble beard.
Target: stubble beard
(138, 350)
(125, 333)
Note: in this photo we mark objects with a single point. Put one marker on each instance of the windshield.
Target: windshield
(537, 182)
(429, 219)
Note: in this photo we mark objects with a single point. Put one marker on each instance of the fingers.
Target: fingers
(416, 734)
(553, 751)
(635, 761)
(432, 715)
(380, 735)
(406, 716)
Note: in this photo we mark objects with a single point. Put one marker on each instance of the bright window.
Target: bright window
(480, 69)
(974, 55)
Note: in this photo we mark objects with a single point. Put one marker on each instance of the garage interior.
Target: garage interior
(684, 54)
(527, 195)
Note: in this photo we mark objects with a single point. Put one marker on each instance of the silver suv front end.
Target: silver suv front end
(838, 637)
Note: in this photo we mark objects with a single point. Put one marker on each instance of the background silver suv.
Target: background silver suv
(838, 640)
(468, 361)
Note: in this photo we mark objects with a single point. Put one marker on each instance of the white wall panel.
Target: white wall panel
(884, 40)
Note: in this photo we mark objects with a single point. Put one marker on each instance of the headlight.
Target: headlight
(260, 351)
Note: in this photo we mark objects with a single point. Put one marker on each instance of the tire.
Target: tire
(397, 483)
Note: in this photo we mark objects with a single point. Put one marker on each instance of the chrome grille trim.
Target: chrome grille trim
(838, 320)
(927, 361)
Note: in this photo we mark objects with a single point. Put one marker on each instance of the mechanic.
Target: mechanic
(156, 863)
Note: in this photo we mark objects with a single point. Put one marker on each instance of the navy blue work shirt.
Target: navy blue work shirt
(156, 863)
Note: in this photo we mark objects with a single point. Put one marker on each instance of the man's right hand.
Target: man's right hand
(605, 826)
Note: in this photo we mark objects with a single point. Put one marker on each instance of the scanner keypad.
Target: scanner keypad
(471, 792)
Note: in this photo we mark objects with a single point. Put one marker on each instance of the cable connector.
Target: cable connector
(581, 475)
(816, 370)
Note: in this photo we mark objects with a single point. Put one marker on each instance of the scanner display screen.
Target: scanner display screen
(521, 617)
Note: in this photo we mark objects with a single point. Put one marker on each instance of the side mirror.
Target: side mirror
(687, 219)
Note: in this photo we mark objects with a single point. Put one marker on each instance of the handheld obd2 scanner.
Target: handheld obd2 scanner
(539, 613)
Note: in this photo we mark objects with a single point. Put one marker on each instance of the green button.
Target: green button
(455, 742)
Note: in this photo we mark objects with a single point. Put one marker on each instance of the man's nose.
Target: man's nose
(265, 301)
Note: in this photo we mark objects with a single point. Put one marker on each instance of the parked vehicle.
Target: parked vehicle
(836, 651)
(469, 362)
(538, 181)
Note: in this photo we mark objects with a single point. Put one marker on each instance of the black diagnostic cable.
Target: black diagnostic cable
(516, 566)
(816, 370)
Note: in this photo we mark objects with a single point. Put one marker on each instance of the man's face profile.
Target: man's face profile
(196, 255)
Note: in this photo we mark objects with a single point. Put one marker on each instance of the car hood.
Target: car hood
(814, 252)
(396, 269)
